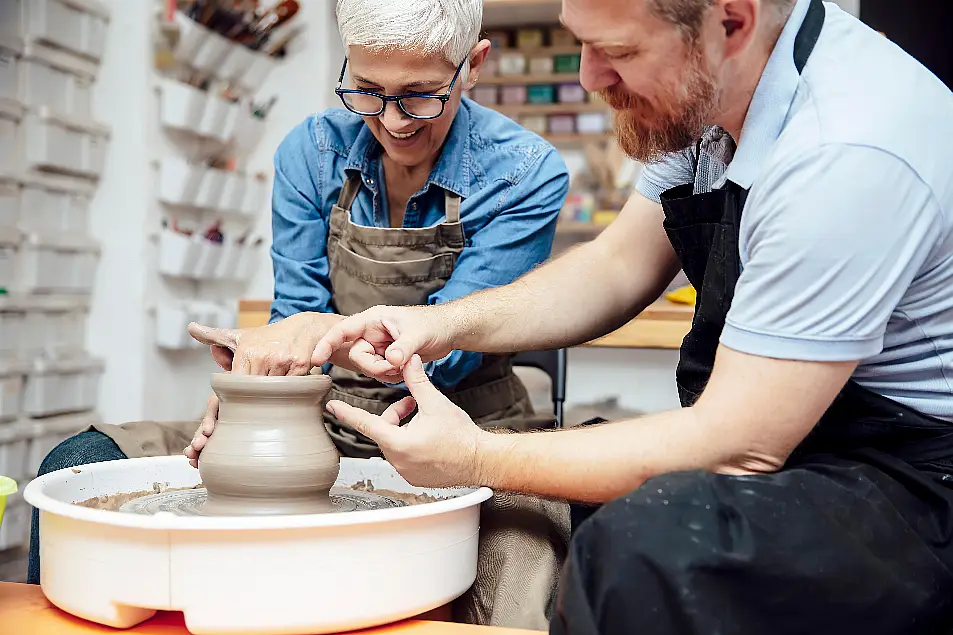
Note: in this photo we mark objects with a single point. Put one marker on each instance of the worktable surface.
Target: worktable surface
(24, 610)
(663, 324)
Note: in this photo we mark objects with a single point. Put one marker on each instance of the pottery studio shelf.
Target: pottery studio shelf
(516, 110)
(662, 325)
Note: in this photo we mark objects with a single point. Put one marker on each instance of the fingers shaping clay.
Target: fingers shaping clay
(270, 452)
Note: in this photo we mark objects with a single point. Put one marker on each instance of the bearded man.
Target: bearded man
(801, 173)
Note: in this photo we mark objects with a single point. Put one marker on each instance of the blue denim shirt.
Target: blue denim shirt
(512, 184)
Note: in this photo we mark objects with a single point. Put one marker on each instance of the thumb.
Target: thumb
(419, 385)
(227, 338)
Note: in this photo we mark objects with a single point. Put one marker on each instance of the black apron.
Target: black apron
(862, 511)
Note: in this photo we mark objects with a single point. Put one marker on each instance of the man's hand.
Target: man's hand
(383, 339)
(278, 349)
(440, 445)
(193, 450)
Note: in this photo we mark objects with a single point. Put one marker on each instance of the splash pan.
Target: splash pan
(251, 575)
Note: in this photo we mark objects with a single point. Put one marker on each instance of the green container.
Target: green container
(7, 487)
(567, 63)
(541, 94)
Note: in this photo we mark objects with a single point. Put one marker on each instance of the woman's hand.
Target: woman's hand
(278, 349)
(383, 339)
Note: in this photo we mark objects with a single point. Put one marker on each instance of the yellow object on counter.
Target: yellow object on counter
(683, 295)
(8, 487)
(604, 217)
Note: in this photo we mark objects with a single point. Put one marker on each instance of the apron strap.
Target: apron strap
(349, 191)
(452, 205)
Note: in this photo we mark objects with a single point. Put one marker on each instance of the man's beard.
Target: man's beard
(645, 132)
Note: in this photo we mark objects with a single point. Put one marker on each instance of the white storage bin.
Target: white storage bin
(219, 118)
(59, 386)
(10, 50)
(249, 131)
(233, 193)
(46, 434)
(172, 324)
(178, 254)
(78, 26)
(57, 263)
(232, 252)
(181, 106)
(55, 326)
(10, 238)
(210, 256)
(199, 47)
(210, 190)
(16, 521)
(12, 326)
(50, 205)
(51, 142)
(57, 80)
(11, 132)
(254, 78)
(10, 197)
(13, 451)
(238, 61)
(12, 374)
(179, 182)
(256, 196)
(248, 260)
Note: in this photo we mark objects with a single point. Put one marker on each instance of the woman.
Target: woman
(411, 195)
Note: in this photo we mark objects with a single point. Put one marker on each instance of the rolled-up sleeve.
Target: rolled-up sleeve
(830, 243)
(672, 170)
(515, 240)
(300, 227)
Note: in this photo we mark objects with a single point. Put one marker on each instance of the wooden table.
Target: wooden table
(663, 325)
(24, 610)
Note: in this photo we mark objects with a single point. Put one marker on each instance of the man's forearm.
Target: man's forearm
(599, 463)
(586, 293)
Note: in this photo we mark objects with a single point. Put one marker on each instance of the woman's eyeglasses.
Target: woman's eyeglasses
(414, 105)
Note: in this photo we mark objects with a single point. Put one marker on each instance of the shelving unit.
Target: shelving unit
(550, 109)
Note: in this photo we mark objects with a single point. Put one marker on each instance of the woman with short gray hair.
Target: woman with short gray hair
(410, 194)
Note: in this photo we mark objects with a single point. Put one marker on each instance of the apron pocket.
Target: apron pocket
(404, 272)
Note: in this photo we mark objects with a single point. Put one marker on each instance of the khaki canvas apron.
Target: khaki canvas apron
(523, 539)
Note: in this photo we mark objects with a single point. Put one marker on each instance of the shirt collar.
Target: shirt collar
(769, 106)
(452, 170)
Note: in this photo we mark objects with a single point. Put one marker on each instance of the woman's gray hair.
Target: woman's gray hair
(449, 28)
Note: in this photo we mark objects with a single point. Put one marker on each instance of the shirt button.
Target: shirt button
(413, 206)
(370, 181)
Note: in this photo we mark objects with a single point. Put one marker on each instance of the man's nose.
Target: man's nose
(595, 73)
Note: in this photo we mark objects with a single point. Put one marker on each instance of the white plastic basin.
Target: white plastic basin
(279, 575)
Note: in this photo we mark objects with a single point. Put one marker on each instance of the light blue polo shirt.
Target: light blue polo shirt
(847, 235)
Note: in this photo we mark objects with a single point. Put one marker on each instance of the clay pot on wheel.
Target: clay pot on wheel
(270, 452)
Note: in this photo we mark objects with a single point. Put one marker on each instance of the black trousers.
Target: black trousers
(835, 544)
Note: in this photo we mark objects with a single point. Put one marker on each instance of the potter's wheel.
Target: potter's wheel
(189, 502)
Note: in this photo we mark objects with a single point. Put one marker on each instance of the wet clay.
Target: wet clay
(410, 499)
(112, 502)
(270, 452)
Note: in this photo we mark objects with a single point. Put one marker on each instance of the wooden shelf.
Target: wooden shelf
(515, 110)
(570, 139)
(663, 324)
(554, 78)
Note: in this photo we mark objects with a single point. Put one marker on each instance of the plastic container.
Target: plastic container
(562, 124)
(541, 94)
(529, 38)
(61, 82)
(512, 63)
(541, 65)
(592, 123)
(8, 487)
(10, 242)
(12, 326)
(10, 50)
(76, 25)
(178, 254)
(62, 386)
(179, 182)
(55, 326)
(11, 132)
(220, 571)
(486, 95)
(248, 133)
(12, 374)
(55, 205)
(57, 144)
(57, 263)
(513, 95)
(567, 63)
(14, 447)
(10, 197)
(46, 434)
(181, 107)
(209, 195)
(571, 94)
(233, 192)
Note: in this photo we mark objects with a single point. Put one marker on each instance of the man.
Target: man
(805, 177)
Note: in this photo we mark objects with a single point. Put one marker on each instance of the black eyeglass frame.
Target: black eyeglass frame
(385, 99)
